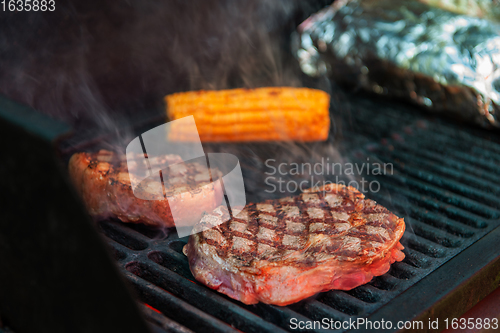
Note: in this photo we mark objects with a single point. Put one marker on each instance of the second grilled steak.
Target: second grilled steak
(282, 251)
(103, 180)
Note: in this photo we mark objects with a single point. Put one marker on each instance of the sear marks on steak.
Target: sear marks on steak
(282, 251)
(103, 181)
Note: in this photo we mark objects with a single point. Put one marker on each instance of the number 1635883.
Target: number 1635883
(28, 5)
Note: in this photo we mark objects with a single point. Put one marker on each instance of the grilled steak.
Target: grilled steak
(282, 251)
(103, 181)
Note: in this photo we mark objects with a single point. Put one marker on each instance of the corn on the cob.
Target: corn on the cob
(263, 114)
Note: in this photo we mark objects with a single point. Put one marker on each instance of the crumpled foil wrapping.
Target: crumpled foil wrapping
(407, 49)
(489, 9)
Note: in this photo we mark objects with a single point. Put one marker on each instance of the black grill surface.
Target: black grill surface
(445, 183)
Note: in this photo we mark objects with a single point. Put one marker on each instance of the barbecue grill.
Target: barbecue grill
(61, 272)
(444, 184)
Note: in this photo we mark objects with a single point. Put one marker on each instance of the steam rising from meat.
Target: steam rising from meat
(101, 66)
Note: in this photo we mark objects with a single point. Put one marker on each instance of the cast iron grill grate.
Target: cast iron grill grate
(445, 184)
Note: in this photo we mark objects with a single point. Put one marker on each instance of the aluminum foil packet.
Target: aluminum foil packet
(489, 9)
(441, 60)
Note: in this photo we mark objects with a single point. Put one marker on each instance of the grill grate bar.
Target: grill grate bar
(183, 312)
(391, 118)
(367, 293)
(179, 257)
(428, 202)
(417, 259)
(344, 302)
(120, 252)
(278, 315)
(385, 282)
(318, 310)
(435, 235)
(460, 158)
(425, 216)
(176, 246)
(431, 167)
(438, 234)
(440, 143)
(424, 246)
(364, 111)
(451, 136)
(171, 262)
(413, 168)
(131, 232)
(201, 297)
(445, 196)
(457, 166)
(163, 322)
(422, 132)
(403, 271)
(127, 237)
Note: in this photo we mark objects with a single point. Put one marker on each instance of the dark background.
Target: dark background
(92, 62)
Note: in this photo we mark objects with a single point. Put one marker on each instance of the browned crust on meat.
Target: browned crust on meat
(281, 251)
(103, 181)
